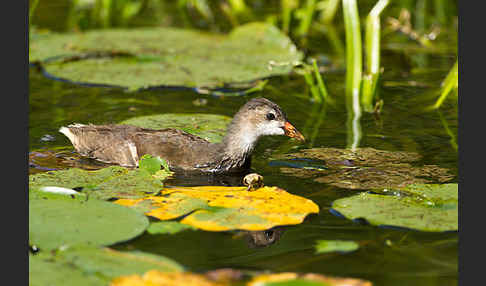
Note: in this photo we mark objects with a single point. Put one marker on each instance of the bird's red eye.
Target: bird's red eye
(270, 116)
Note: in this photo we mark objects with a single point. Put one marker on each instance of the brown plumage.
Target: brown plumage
(125, 144)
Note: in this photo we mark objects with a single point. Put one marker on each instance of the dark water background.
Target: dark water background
(386, 256)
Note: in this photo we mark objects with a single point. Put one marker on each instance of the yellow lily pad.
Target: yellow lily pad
(155, 277)
(218, 208)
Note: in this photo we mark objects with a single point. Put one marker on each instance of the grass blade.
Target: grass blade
(450, 82)
(320, 82)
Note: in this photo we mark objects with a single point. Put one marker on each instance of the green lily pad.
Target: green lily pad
(152, 164)
(168, 227)
(112, 263)
(61, 220)
(44, 270)
(324, 246)
(145, 57)
(211, 127)
(108, 183)
(363, 168)
(423, 207)
(87, 265)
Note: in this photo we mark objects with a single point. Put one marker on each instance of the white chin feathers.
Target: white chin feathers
(270, 128)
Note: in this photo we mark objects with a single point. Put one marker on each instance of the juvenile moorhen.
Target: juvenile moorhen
(125, 144)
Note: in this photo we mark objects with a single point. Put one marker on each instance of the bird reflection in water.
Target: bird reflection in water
(264, 238)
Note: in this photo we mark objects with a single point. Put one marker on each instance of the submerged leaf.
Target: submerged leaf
(216, 208)
(363, 168)
(59, 220)
(211, 127)
(162, 56)
(423, 207)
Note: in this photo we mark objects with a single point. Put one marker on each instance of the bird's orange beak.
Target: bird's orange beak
(292, 132)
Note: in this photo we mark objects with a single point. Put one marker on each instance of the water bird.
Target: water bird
(126, 144)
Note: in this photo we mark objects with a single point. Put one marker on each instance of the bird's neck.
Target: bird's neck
(239, 141)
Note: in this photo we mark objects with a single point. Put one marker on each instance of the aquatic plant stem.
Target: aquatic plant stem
(372, 46)
(354, 66)
(354, 59)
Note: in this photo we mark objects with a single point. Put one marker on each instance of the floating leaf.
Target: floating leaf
(162, 56)
(156, 166)
(155, 278)
(167, 227)
(211, 127)
(112, 263)
(324, 246)
(44, 270)
(107, 183)
(60, 220)
(423, 207)
(309, 279)
(87, 265)
(216, 208)
(151, 164)
(363, 168)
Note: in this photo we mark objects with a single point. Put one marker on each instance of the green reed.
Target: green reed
(372, 49)
(357, 84)
(354, 61)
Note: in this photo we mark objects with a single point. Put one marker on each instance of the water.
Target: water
(386, 256)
